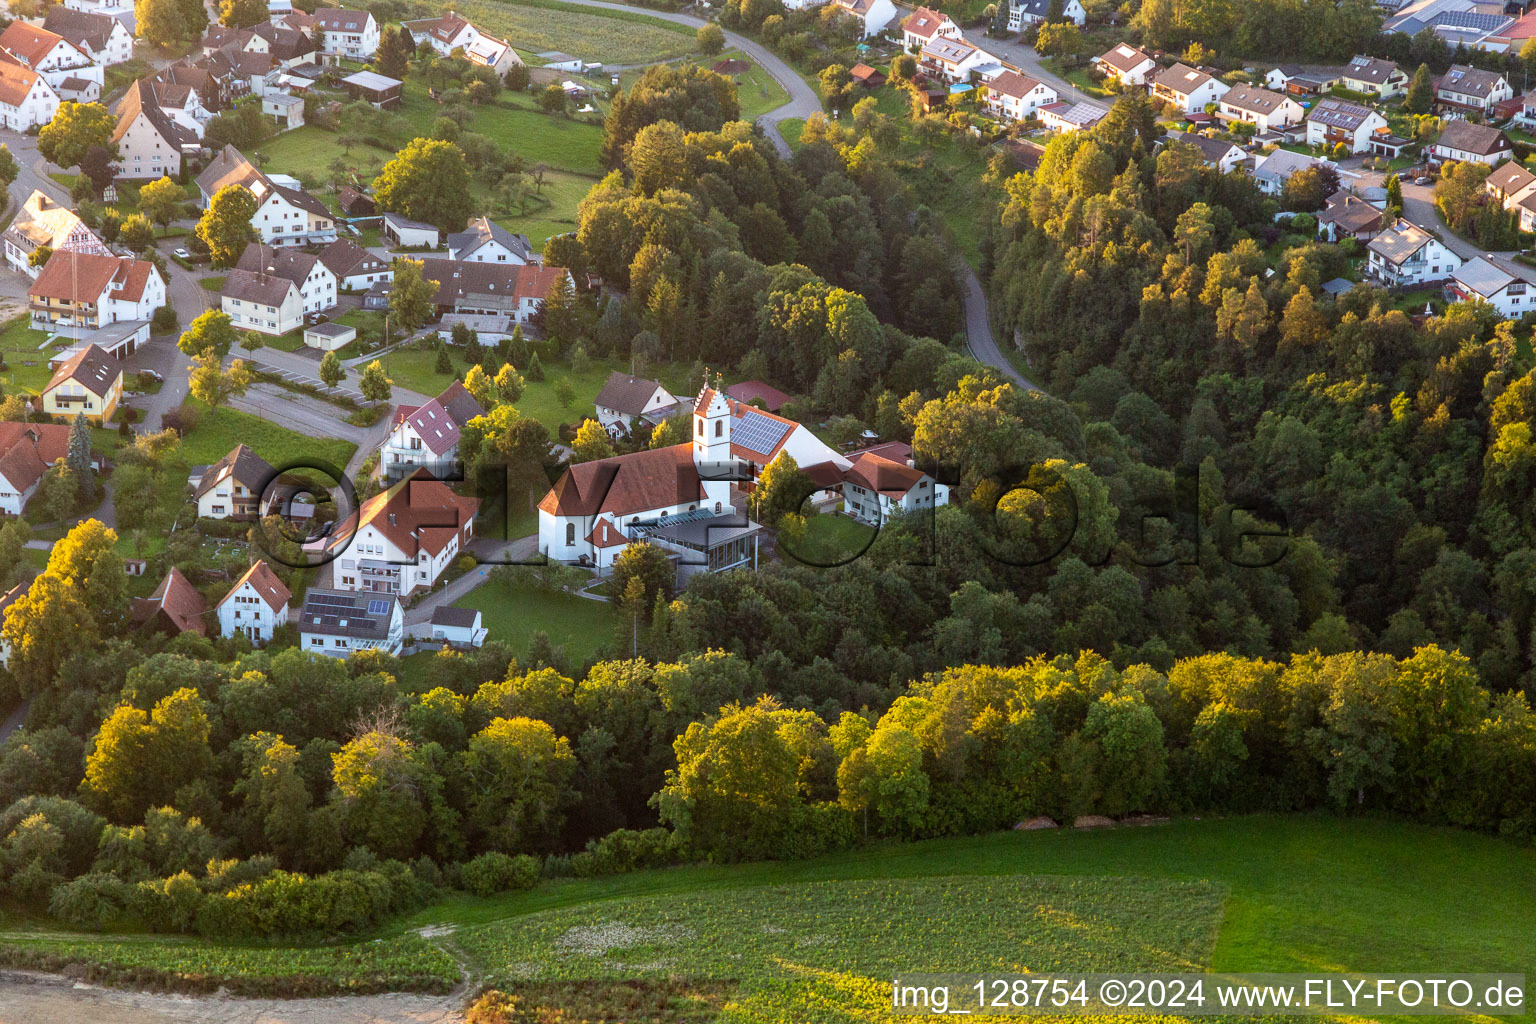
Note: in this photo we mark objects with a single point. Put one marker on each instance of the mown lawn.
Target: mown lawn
(552, 210)
(217, 433)
(26, 363)
(828, 540)
(515, 610)
(600, 36)
(417, 371)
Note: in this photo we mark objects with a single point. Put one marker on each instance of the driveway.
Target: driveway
(1028, 61)
(803, 100)
(1419, 207)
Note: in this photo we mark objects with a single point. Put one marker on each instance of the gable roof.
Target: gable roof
(340, 19)
(178, 599)
(1253, 99)
(1124, 57)
(923, 23)
(83, 276)
(885, 476)
(756, 434)
(344, 613)
(16, 83)
(1399, 241)
(946, 49)
(482, 230)
(247, 468)
(31, 43)
(228, 167)
(1510, 178)
(91, 368)
(461, 280)
(1369, 69)
(85, 29)
(266, 584)
(1011, 83)
(626, 394)
(285, 43)
(447, 615)
(42, 221)
(623, 485)
(1341, 114)
(289, 264)
(1181, 79)
(344, 257)
(1213, 151)
(1489, 274)
(263, 289)
(140, 99)
(411, 515)
(28, 449)
(1473, 138)
(1470, 81)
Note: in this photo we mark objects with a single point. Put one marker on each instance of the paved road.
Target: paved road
(978, 329)
(803, 101)
(1027, 60)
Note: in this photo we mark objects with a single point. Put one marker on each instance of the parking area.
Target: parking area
(308, 379)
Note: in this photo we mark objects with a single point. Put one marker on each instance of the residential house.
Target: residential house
(1015, 97)
(90, 382)
(316, 282)
(26, 452)
(255, 606)
(266, 303)
(951, 60)
(228, 167)
(151, 143)
(872, 15)
(1507, 286)
(1295, 80)
(174, 608)
(26, 98)
(1265, 110)
(356, 269)
(355, 204)
(1515, 189)
(50, 55)
(445, 33)
(1333, 121)
(1033, 12)
(922, 25)
(284, 216)
(346, 33)
(1273, 170)
(1071, 117)
(427, 437)
(288, 47)
(485, 241)
(119, 9)
(515, 291)
(1463, 141)
(1186, 88)
(402, 539)
(232, 488)
(625, 398)
(458, 627)
(1470, 89)
(1349, 216)
(493, 53)
(105, 39)
(1217, 153)
(1405, 255)
(1125, 63)
(1374, 76)
(7, 599)
(41, 222)
(80, 289)
(335, 623)
(1476, 24)
(409, 234)
(876, 488)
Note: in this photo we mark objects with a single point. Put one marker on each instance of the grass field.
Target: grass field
(553, 210)
(1261, 893)
(416, 370)
(514, 611)
(28, 364)
(757, 90)
(216, 434)
(605, 37)
(828, 540)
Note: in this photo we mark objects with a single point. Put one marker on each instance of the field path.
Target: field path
(27, 998)
(803, 101)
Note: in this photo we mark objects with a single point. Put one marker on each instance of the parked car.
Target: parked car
(153, 375)
(1423, 181)
(315, 318)
(182, 253)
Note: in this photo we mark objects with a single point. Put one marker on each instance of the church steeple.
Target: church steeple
(712, 424)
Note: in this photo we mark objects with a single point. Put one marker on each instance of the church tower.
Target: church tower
(712, 425)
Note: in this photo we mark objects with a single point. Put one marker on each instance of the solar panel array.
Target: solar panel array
(378, 607)
(757, 433)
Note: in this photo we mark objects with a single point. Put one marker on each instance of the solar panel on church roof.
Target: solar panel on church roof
(757, 433)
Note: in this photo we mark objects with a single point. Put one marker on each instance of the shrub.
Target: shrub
(91, 901)
(493, 872)
(493, 1007)
(164, 320)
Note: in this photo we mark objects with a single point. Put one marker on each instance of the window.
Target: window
(718, 425)
(570, 534)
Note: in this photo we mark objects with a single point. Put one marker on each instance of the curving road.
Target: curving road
(803, 101)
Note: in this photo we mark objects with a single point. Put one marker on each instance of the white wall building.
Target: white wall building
(427, 437)
(336, 623)
(1405, 255)
(255, 605)
(1032, 12)
(26, 99)
(105, 38)
(402, 539)
(346, 33)
(1507, 286)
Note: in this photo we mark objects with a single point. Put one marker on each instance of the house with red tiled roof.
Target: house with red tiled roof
(445, 33)
(26, 452)
(26, 98)
(876, 488)
(255, 605)
(89, 289)
(174, 608)
(872, 15)
(402, 539)
(924, 24)
(1015, 97)
(427, 436)
(50, 55)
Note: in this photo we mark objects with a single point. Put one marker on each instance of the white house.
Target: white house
(104, 38)
(876, 488)
(88, 289)
(49, 54)
(458, 627)
(1032, 12)
(346, 33)
(265, 303)
(1515, 189)
(1333, 121)
(1071, 117)
(356, 269)
(1125, 63)
(26, 99)
(1186, 88)
(873, 15)
(336, 623)
(284, 108)
(445, 34)
(1015, 97)
(1507, 286)
(1464, 142)
(952, 60)
(255, 605)
(1377, 77)
(496, 54)
(232, 487)
(150, 142)
(427, 436)
(922, 25)
(409, 234)
(1404, 255)
(42, 222)
(625, 399)
(485, 241)
(509, 290)
(1472, 89)
(1261, 108)
(1217, 153)
(290, 216)
(402, 539)
(1272, 171)
(316, 283)
(119, 9)
(26, 452)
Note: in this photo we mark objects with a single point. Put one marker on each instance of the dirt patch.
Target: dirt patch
(27, 997)
(649, 1001)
